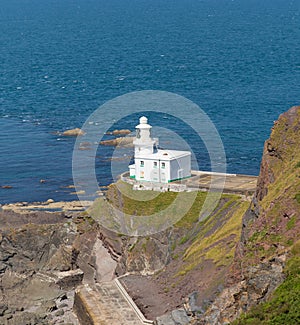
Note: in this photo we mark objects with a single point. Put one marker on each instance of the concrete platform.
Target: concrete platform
(228, 183)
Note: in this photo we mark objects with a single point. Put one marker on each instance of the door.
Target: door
(180, 174)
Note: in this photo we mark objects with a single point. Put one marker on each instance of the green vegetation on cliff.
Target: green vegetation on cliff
(276, 227)
(284, 305)
(219, 245)
(278, 193)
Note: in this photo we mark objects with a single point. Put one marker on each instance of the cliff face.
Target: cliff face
(271, 226)
(277, 200)
(38, 268)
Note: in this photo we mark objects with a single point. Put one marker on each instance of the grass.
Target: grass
(138, 202)
(159, 209)
(216, 242)
(297, 197)
(231, 227)
(183, 240)
(291, 223)
(286, 168)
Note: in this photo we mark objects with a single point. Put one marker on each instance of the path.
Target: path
(106, 303)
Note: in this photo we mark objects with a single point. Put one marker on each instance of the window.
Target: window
(142, 163)
(142, 174)
(163, 165)
(155, 164)
(138, 133)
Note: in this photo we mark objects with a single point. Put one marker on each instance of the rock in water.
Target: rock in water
(73, 132)
(122, 142)
(120, 132)
(6, 186)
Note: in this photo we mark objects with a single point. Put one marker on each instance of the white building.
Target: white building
(157, 165)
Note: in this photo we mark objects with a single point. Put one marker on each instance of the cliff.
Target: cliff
(268, 255)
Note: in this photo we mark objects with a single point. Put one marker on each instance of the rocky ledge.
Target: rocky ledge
(48, 206)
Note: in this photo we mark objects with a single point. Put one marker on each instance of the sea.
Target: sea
(60, 60)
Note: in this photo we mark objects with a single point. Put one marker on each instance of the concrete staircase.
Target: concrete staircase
(106, 304)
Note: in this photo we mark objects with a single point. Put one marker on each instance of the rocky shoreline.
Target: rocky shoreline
(38, 273)
(48, 206)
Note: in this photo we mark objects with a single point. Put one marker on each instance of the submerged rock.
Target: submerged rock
(122, 142)
(74, 132)
(119, 132)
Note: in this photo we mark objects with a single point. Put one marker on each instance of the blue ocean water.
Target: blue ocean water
(61, 59)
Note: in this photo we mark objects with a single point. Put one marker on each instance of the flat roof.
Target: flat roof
(165, 155)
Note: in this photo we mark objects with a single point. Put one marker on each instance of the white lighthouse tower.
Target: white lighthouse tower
(157, 165)
(144, 144)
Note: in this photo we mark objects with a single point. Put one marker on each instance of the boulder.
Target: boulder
(49, 201)
(165, 320)
(48, 306)
(176, 317)
(180, 317)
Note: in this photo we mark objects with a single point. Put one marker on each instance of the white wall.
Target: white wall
(150, 173)
(132, 170)
(181, 167)
(174, 169)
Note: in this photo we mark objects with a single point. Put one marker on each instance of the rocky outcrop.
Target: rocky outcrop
(119, 132)
(279, 150)
(38, 268)
(176, 317)
(24, 208)
(122, 142)
(259, 281)
(147, 255)
(73, 132)
(6, 186)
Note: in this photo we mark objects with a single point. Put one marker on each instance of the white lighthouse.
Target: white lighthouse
(156, 165)
(143, 143)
